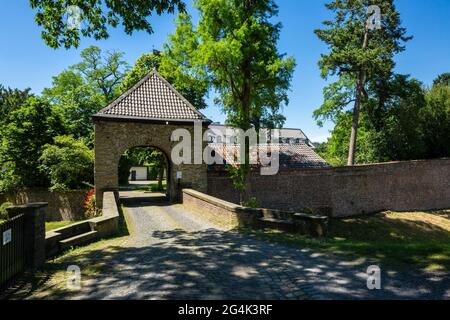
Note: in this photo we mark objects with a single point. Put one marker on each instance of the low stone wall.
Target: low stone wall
(230, 215)
(219, 212)
(61, 205)
(347, 191)
(105, 226)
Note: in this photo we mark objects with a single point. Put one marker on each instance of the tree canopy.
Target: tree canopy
(404, 121)
(96, 17)
(357, 55)
(29, 128)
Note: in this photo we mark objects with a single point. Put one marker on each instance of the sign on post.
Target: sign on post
(7, 236)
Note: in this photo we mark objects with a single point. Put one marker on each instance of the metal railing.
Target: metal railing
(12, 248)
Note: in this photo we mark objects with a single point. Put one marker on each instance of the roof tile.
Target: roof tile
(152, 98)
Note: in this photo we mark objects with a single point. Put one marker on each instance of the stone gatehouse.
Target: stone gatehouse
(145, 116)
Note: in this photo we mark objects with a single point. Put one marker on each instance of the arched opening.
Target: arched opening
(145, 169)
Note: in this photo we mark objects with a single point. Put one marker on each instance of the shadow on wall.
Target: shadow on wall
(347, 191)
(212, 264)
(62, 206)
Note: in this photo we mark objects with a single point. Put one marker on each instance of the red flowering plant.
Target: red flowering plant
(89, 205)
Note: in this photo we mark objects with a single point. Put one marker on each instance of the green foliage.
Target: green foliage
(403, 121)
(104, 71)
(68, 162)
(76, 100)
(435, 120)
(10, 100)
(251, 203)
(442, 80)
(30, 127)
(237, 44)
(97, 16)
(358, 57)
(143, 65)
(345, 32)
(142, 156)
(3, 212)
(176, 64)
(89, 205)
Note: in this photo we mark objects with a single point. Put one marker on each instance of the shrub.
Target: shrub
(3, 212)
(68, 162)
(251, 203)
(89, 205)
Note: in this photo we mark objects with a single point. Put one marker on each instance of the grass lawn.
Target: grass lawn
(57, 224)
(421, 239)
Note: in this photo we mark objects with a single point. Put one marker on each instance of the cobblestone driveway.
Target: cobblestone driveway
(173, 254)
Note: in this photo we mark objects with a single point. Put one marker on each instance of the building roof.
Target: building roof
(152, 98)
(291, 156)
(283, 132)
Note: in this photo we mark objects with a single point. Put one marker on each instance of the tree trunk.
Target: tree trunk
(161, 174)
(359, 92)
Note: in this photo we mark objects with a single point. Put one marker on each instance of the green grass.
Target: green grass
(151, 187)
(50, 281)
(57, 224)
(420, 239)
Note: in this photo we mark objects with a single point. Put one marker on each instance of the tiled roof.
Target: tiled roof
(152, 98)
(291, 156)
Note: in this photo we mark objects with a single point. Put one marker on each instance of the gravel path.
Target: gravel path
(174, 254)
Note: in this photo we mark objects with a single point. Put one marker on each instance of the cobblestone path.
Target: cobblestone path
(173, 254)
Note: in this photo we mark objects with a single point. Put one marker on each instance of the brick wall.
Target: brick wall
(61, 205)
(346, 191)
(219, 212)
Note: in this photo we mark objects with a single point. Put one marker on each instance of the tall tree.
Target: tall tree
(30, 127)
(10, 100)
(68, 162)
(95, 17)
(76, 100)
(435, 118)
(238, 46)
(390, 128)
(104, 70)
(357, 55)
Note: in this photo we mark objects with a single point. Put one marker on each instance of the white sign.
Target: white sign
(179, 174)
(374, 278)
(73, 277)
(7, 237)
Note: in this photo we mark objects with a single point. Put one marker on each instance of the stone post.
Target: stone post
(34, 231)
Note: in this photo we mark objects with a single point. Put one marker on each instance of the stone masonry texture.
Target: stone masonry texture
(113, 138)
(347, 191)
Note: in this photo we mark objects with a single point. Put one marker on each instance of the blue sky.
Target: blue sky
(25, 61)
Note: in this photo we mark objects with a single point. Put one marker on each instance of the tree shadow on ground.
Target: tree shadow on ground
(213, 264)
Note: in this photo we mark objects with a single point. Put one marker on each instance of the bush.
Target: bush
(251, 203)
(3, 212)
(69, 163)
(89, 205)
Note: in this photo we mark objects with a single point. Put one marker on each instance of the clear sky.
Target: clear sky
(25, 61)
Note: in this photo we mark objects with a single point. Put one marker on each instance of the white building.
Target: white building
(138, 174)
(218, 133)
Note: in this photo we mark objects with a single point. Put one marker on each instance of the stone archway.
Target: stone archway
(146, 115)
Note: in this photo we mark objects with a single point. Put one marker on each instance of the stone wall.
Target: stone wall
(231, 216)
(113, 138)
(61, 205)
(347, 191)
(219, 212)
